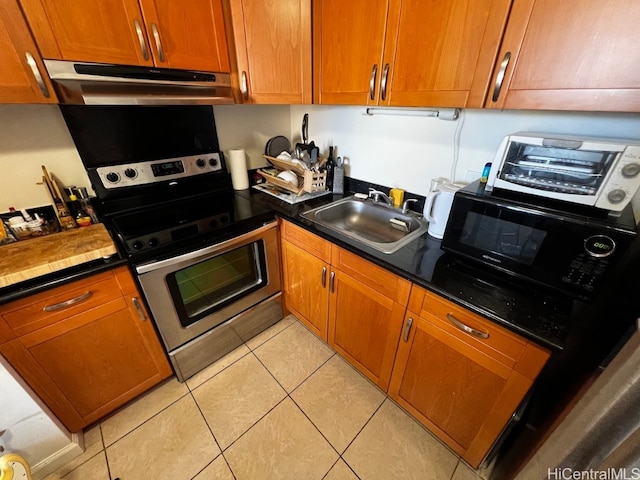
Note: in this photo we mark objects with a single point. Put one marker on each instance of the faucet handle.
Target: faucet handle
(405, 205)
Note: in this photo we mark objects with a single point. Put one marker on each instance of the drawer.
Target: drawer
(476, 331)
(381, 280)
(46, 308)
(306, 240)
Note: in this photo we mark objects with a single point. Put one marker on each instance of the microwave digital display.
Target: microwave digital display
(518, 242)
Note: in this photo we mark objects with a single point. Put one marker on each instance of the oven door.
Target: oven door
(193, 293)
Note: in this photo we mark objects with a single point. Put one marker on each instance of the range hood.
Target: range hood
(107, 84)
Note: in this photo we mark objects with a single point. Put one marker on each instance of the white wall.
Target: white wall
(32, 136)
(29, 430)
(407, 152)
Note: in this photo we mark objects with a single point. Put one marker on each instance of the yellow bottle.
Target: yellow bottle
(14, 467)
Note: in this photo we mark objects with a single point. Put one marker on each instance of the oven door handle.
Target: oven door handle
(217, 248)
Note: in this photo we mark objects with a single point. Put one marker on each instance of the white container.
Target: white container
(437, 207)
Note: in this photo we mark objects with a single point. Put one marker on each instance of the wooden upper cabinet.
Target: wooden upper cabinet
(348, 46)
(441, 52)
(273, 48)
(91, 30)
(188, 34)
(22, 75)
(406, 52)
(570, 56)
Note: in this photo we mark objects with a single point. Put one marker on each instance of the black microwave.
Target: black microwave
(570, 251)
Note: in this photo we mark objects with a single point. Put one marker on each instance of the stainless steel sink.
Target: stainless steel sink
(376, 225)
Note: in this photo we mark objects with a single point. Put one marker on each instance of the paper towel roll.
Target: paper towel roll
(238, 168)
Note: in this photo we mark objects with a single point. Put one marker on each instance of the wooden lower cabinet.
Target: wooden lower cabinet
(367, 305)
(305, 268)
(90, 357)
(461, 375)
(354, 305)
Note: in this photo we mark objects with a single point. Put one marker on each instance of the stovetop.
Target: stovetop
(172, 228)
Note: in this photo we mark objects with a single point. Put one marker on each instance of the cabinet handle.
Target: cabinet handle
(143, 43)
(407, 329)
(244, 86)
(500, 76)
(136, 303)
(383, 82)
(332, 278)
(36, 73)
(466, 328)
(68, 303)
(372, 82)
(156, 38)
(324, 277)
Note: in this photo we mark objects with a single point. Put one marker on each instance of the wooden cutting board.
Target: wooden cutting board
(27, 259)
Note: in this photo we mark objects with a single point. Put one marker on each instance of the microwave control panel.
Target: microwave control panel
(588, 266)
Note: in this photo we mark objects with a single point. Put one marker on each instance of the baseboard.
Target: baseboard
(60, 458)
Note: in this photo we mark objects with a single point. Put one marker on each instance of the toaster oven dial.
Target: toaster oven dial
(130, 173)
(630, 170)
(599, 246)
(200, 163)
(616, 196)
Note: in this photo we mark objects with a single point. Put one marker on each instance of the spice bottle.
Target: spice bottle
(81, 217)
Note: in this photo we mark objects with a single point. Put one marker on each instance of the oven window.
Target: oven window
(208, 286)
(562, 170)
(517, 242)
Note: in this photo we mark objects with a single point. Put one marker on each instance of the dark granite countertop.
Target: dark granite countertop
(535, 313)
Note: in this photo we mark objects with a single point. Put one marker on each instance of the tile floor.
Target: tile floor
(282, 406)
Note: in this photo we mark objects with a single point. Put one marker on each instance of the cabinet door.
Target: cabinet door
(348, 41)
(189, 34)
(570, 56)
(441, 52)
(21, 78)
(90, 30)
(306, 287)
(89, 364)
(273, 45)
(364, 327)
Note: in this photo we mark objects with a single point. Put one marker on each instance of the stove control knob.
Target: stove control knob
(153, 242)
(137, 245)
(200, 163)
(213, 162)
(130, 173)
(113, 177)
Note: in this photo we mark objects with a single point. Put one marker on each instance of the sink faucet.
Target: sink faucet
(376, 195)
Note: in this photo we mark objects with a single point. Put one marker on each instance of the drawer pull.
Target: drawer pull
(156, 38)
(324, 277)
(36, 74)
(68, 303)
(383, 82)
(466, 328)
(143, 43)
(372, 82)
(136, 303)
(332, 279)
(244, 86)
(500, 76)
(407, 329)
